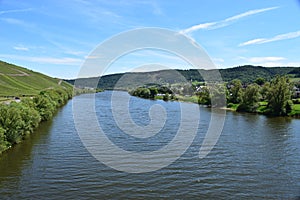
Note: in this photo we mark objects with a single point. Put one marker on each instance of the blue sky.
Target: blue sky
(55, 37)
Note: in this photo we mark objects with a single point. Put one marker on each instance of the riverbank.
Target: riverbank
(19, 119)
(253, 151)
(262, 106)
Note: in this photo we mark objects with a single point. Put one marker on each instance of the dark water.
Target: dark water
(256, 157)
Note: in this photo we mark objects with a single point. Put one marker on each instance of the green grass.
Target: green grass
(295, 79)
(193, 99)
(295, 110)
(233, 106)
(18, 81)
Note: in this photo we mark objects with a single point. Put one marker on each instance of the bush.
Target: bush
(19, 119)
(3, 142)
(12, 123)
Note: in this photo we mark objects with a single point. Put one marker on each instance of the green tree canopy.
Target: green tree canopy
(250, 99)
(278, 95)
(235, 91)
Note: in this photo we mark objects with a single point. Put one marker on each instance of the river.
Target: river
(256, 157)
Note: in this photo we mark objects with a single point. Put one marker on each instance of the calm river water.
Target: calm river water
(256, 157)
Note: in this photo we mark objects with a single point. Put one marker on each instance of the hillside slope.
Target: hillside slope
(129, 80)
(18, 81)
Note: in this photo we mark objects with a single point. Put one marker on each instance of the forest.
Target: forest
(132, 80)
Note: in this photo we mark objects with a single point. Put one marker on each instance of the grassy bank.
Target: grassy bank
(261, 109)
(295, 112)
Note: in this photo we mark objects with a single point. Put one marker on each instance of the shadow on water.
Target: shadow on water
(256, 157)
(13, 161)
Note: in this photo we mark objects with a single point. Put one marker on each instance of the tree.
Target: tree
(250, 99)
(278, 95)
(265, 90)
(212, 95)
(45, 106)
(12, 123)
(260, 81)
(29, 115)
(153, 92)
(166, 97)
(142, 92)
(3, 142)
(235, 91)
(204, 96)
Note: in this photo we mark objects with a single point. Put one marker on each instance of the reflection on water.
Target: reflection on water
(256, 157)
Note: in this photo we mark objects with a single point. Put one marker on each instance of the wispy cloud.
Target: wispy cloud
(285, 36)
(15, 11)
(21, 48)
(269, 61)
(17, 22)
(225, 22)
(45, 60)
(265, 59)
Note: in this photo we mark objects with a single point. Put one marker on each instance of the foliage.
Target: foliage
(250, 99)
(166, 97)
(19, 119)
(247, 74)
(232, 106)
(235, 91)
(278, 95)
(295, 110)
(3, 142)
(141, 92)
(260, 81)
(212, 95)
(295, 72)
(204, 97)
(153, 92)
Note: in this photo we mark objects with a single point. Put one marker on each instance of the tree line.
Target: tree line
(18, 119)
(272, 97)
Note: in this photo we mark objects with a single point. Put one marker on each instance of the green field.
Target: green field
(18, 81)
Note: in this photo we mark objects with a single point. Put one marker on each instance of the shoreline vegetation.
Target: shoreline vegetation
(19, 119)
(28, 98)
(278, 97)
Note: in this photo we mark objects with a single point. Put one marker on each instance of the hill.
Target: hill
(130, 80)
(18, 81)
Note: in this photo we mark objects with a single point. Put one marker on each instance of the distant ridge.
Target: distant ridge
(18, 81)
(129, 80)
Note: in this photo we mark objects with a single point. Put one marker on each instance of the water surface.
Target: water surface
(256, 157)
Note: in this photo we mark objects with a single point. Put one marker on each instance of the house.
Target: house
(296, 92)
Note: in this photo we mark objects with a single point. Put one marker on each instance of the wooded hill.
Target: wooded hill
(130, 80)
(18, 81)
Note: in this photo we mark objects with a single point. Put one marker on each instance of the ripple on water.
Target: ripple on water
(256, 157)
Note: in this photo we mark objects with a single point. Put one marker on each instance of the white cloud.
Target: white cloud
(45, 60)
(21, 48)
(218, 60)
(284, 36)
(270, 61)
(225, 22)
(265, 59)
(14, 11)
(17, 22)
